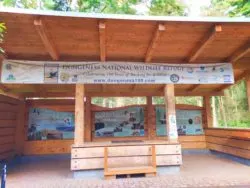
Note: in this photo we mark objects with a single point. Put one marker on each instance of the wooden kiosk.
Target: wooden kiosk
(42, 37)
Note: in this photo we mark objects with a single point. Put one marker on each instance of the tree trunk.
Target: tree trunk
(223, 111)
(214, 112)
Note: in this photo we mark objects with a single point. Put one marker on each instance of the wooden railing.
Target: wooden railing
(231, 141)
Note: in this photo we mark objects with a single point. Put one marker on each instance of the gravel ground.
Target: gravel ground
(196, 171)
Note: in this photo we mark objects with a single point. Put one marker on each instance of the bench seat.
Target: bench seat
(111, 172)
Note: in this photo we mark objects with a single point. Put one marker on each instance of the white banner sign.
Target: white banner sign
(14, 71)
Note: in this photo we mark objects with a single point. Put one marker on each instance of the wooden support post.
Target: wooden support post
(208, 112)
(153, 156)
(170, 112)
(79, 115)
(150, 123)
(20, 132)
(105, 159)
(88, 120)
(248, 91)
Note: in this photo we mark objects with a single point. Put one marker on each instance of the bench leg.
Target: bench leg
(110, 177)
(150, 174)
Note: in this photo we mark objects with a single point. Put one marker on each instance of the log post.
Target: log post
(150, 114)
(171, 125)
(88, 128)
(208, 112)
(79, 115)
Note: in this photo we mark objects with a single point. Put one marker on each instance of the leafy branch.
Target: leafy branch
(2, 32)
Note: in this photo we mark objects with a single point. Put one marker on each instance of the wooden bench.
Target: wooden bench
(110, 173)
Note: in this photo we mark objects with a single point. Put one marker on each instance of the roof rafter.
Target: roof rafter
(155, 39)
(193, 87)
(46, 39)
(208, 38)
(102, 39)
(240, 53)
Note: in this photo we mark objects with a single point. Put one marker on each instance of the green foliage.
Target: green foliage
(49, 4)
(217, 8)
(112, 102)
(240, 8)
(2, 31)
(9, 3)
(167, 8)
(108, 6)
(231, 8)
(231, 110)
(158, 100)
(61, 5)
(242, 121)
(196, 101)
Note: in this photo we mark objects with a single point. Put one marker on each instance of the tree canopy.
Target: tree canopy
(230, 8)
(166, 8)
(240, 8)
(108, 6)
(152, 7)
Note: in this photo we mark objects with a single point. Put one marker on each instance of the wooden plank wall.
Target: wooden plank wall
(231, 141)
(8, 122)
(46, 147)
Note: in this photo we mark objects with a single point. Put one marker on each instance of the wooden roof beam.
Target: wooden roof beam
(102, 39)
(8, 92)
(240, 53)
(46, 39)
(161, 88)
(4, 88)
(208, 38)
(133, 87)
(39, 88)
(155, 39)
(104, 88)
(125, 94)
(12, 95)
(193, 88)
